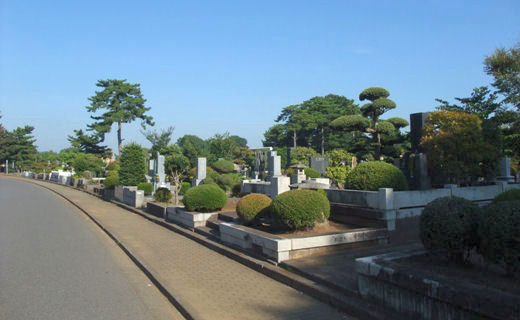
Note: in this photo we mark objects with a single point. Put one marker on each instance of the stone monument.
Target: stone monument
(319, 164)
(157, 173)
(201, 172)
(274, 164)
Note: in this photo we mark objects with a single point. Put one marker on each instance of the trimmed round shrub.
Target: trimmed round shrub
(162, 195)
(205, 198)
(300, 209)
(449, 226)
(227, 180)
(111, 180)
(374, 175)
(146, 187)
(224, 166)
(236, 190)
(311, 173)
(185, 186)
(510, 195)
(499, 234)
(250, 206)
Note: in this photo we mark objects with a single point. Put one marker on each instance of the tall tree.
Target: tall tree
(193, 147)
(504, 66)
(83, 142)
(369, 121)
(276, 136)
(177, 166)
(293, 116)
(123, 103)
(222, 146)
(159, 140)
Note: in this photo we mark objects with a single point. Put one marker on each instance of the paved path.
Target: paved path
(207, 284)
(56, 264)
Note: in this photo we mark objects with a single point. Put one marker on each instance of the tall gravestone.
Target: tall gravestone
(419, 179)
(274, 164)
(157, 173)
(319, 164)
(201, 172)
(504, 167)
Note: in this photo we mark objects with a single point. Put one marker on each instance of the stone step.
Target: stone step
(227, 216)
(208, 232)
(213, 223)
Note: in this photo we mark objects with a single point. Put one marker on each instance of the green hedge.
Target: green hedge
(311, 173)
(300, 209)
(374, 175)
(205, 198)
(252, 205)
(500, 235)
(448, 227)
(146, 187)
(510, 195)
(162, 195)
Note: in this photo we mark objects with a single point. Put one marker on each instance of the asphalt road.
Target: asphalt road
(56, 264)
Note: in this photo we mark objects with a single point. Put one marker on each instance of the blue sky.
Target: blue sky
(208, 67)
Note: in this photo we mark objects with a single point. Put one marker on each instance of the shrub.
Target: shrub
(302, 154)
(338, 175)
(224, 166)
(311, 173)
(205, 198)
(510, 195)
(236, 190)
(448, 226)
(111, 180)
(114, 165)
(227, 180)
(132, 165)
(500, 234)
(374, 175)
(162, 195)
(250, 206)
(300, 209)
(185, 186)
(146, 187)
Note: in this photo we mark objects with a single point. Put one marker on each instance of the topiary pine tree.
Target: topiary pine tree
(369, 120)
(124, 103)
(132, 165)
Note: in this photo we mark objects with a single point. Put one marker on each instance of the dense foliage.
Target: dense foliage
(88, 162)
(253, 205)
(311, 173)
(224, 166)
(500, 235)
(132, 165)
(510, 195)
(146, 187)
(448, 227)
(204, 198)
(300, 209)
(185, 186)
(111, 180)
(162, 195)
(374, 175)
(338, 175)
(456, 146)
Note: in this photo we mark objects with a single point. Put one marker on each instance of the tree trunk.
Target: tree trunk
(378, 147)
(119, 140)
(294, 138)
(322, 141)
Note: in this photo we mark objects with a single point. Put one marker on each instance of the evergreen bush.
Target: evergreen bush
(146, 187)
(224, 166)
(162, 195)
(300, 209)
(374, 175)
(236, 190)
(132, 165)
(185, 186)
(449, 227)
(311, 173)
(252, 205)
(500, 235)
(510, 195)
(205, 198)
(111, 180)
